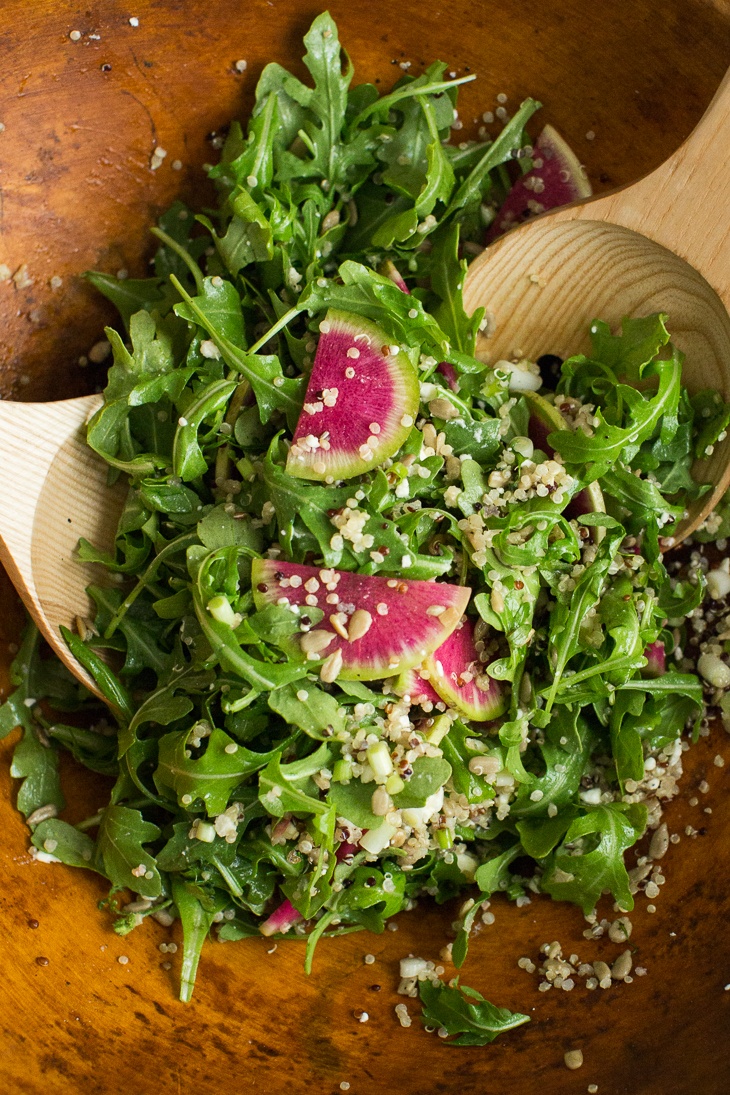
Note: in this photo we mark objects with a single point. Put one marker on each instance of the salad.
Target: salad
(385, 620)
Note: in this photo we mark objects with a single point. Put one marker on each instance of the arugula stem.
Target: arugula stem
(183, 254)
(228, 876)
(408, 92)
(181, 543)
(223, 458)
(314, 937)
(280, 324)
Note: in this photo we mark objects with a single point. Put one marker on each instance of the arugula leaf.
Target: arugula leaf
(129, 295)
(465, 1013)
(611, 443)
(296, 500)
(376, 297)
(493, 875)
(37, 765)
(197, 911)
(279, 791)
(429, 774)
(601, 835)
(325, 107)
(630, 353)
(567, 617)
(211, 777)
(64, 842)
(120, 853)
(315, 712)
(498, 152)
(447, 282)
(273, 390)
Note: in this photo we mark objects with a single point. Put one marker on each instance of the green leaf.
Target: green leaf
(188, 459)
(539, 836)
(447, 281)
(628, 354)
(37, 766)
(583, 877)
(248, 236)
(375, 297)
(129, 295)
(325, 106)
(465, 1013)
(494, 874)
(498, 152)
(297, 500)
(61, 840)
(564, 765)
(220, 529)
(353, 801)
(567, 617)
(120, 853)
(261, 675)
(197, 916)
(144, 375)
(478, 438)
(272, 389)
(279, 793)
(429, 774)
(314, 711)
(210, 778)
(611, 443)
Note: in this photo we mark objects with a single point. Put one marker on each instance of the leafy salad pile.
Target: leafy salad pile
(254, 788)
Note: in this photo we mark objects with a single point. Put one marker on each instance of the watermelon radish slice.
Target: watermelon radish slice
(394, 623)
(390, 270)
(545, 418)
(455, 670)
(656, 660)
(411, 683)
(449, 373)
(361, 402)
(281, 920)
(556, 178)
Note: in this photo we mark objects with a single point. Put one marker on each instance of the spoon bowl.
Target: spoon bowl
(659, 245)
(55, 491)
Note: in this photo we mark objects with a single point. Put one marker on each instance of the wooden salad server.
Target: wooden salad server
(659, 245)
(54, 491)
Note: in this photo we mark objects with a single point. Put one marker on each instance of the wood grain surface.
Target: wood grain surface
(77, 191)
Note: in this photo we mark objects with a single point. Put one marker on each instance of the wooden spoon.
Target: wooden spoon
(54, 491)
(659, 245)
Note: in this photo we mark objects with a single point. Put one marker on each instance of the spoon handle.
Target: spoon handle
(685, 203)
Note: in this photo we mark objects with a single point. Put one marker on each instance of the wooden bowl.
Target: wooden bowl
(81, 119)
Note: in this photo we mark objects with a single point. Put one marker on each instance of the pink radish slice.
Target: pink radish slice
(395, 623)
(411, 683)
(556, 178)
(449, 372)
(656, 659)
(459, 677)
(281, 919)
(389, 270)
(361, 402)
